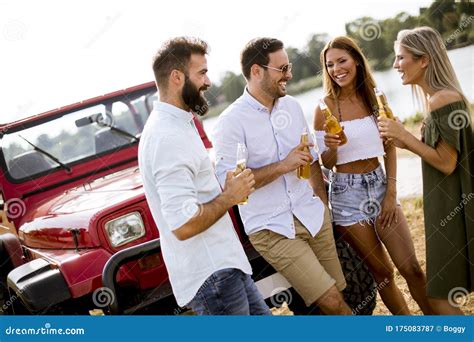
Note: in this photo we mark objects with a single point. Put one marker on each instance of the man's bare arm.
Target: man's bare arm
(236, 189)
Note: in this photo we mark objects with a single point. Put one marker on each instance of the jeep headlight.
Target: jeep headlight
(125, 229)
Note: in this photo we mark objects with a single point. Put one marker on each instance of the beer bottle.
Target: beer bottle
(384, 109)
(241, 164)
(332, 125)
(303, 171)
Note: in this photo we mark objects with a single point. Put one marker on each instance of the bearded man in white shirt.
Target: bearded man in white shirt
(206, 263)
(286, 218)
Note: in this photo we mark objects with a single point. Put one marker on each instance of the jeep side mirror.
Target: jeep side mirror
(88, 120)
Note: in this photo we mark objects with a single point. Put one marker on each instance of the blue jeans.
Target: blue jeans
(229, 292)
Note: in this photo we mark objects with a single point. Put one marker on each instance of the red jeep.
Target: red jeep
(76, 232)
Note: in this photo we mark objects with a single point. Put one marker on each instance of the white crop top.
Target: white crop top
(363, 141)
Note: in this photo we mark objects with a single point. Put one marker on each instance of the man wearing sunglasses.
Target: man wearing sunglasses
(288, 225)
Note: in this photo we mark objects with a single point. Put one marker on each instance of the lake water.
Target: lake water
(402, 104)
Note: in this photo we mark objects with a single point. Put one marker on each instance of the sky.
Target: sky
(54, 53)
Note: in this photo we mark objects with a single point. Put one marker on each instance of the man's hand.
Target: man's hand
(297, 157)
(238, 188)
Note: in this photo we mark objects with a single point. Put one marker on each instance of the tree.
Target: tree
(452, 19)
(232, 86)
(315, 45)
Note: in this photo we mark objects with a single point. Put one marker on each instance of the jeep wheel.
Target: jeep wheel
(5, 267)
(361, 292)
(3, 297)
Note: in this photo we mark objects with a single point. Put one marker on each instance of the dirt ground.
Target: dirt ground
(414, 213)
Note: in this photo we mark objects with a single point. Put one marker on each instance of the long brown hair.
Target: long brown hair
(364, 81)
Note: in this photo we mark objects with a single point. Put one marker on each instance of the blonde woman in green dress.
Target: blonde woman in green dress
(447, 154)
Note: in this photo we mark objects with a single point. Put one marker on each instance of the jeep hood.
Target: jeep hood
(71, 218)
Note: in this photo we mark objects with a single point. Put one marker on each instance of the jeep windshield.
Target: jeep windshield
(39, 147)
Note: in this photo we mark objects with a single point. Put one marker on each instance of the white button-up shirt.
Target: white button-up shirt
(178, 176)
(269, 137)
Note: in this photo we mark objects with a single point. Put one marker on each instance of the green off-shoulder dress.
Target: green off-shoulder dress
(449, 205)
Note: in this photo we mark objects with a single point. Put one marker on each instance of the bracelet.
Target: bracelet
(392, 178)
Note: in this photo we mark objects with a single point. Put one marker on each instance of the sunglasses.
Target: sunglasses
(283, 70)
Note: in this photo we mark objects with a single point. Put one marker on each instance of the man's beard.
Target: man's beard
(193, 99)
(272, 89)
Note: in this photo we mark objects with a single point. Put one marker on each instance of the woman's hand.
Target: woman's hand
(331, 140)
(393, 131)
(395, 142)
(388, 213)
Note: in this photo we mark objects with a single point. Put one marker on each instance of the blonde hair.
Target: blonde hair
(439, 74)
(364, 81)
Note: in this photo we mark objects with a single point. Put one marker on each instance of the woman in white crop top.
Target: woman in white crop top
(363, 200)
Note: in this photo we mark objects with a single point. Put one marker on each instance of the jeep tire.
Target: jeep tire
(360, 292)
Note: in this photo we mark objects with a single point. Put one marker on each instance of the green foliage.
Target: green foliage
(418, 203)
(232, 86)
(376, 37)
(453, 20)
(306, 68)
(414, 119)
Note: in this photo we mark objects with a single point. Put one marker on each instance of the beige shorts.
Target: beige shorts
(310, 264)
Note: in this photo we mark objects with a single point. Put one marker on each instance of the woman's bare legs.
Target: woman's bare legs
(364, 241)
(399, 244)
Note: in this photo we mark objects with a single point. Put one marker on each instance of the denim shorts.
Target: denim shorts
(356, 197)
